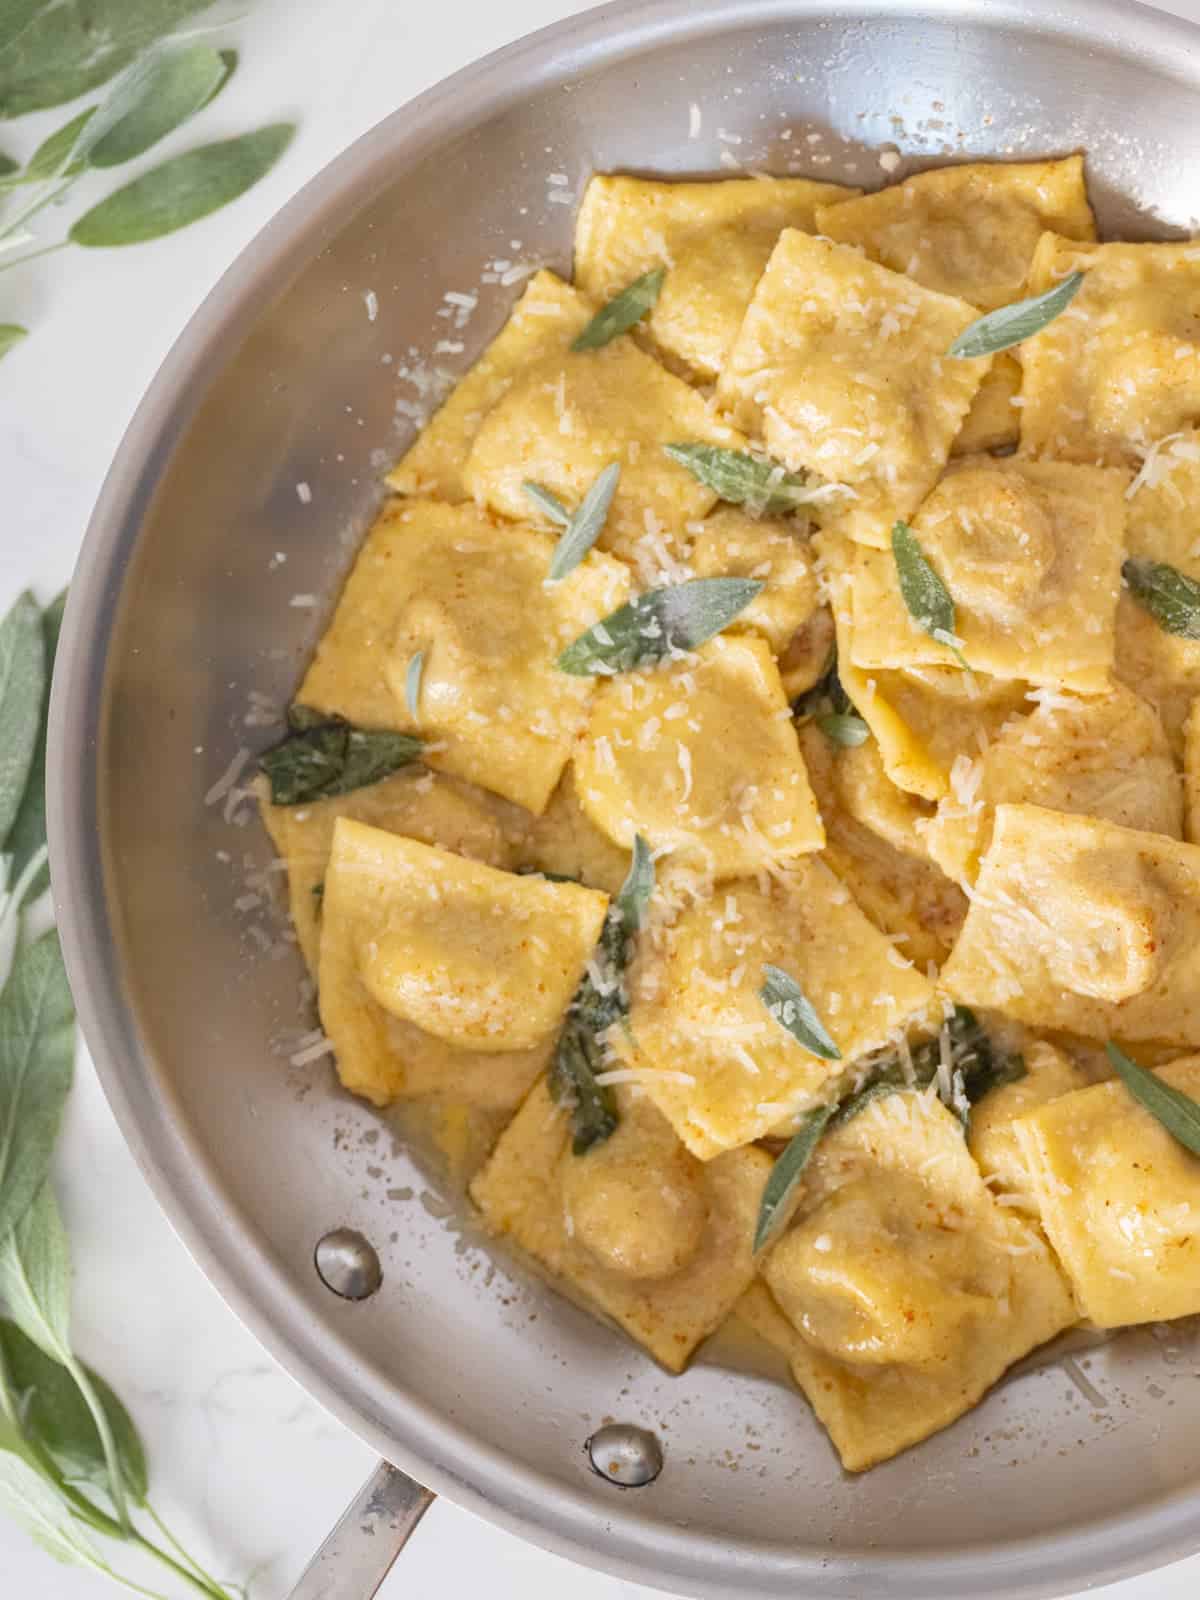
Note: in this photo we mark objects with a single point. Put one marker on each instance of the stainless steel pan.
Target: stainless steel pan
(480, 1385)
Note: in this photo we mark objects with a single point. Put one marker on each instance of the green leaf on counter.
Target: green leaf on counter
(22, 685)
(35, 1276)
(743, 479)
(37, 1052)
(1010, 325)
(622, 312)
(157, 95)
(548, 504)
(682, 616)
(1178, 1113)
(923, 592)
(28, 833)
(11, 333)
(35, 1504)
(1170, 596)
(792, 1010)
(52, 158)
(182, 190)
(325, 756)
(585, 525)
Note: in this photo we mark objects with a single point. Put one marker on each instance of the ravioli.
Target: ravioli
(841, 368)
(651, 1237)
(1119, 1200)
(700, 756)
(696, 1005)
(993, 1139)
(472, 598)
(564, 842)
(732, 544)
(714, 239)
(1031, 555)
(906, 1290)
(1082, 925)
(1102, 756)
(1191, 774)
(994, 420)
(1119, 370)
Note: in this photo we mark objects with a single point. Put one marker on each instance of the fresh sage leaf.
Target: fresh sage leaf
(786, 1001)
(548, 504)
(171, 85)
(1010, 325)
(28, 833)
(11, 333)
(70, 46)
(34, 1503)
(923, 592)
(1170, 596)
(780, 1187)
(325, 755)
(22, 685)
(585, 526)
(56, 1416)
(1178, 1112)
(53, 157)
(623, 311)
(35, 1276)
(182, 190)
(743, 479)
(7, 165)
(412, 684)
(682, 616)
(37, 1051)
(843, 728)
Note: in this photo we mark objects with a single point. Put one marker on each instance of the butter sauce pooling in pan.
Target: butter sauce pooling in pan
(753, 769)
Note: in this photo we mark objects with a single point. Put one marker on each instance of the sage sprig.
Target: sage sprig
(681, 617)
(11, 333)
(1013, 324)
(623, 311)
(1170, 596)
(744, 480)
(975, 1068)
(548, 504)
(793, 1011)
(1178, 1113)
(324, 755)
(922, 590)
(585, 525)
(600, 1001)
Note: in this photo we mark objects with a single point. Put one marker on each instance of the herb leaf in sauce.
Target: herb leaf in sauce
(1010, 325)
(585, 526)
(326, 755)
(785, 1175)
(1170, 596)
(548, 504)
(743, 479)
(787, 1003)
(1178, 1112)
(923, 592)
(682, 616)
(623, 311)
(412, 684)
(832, 709)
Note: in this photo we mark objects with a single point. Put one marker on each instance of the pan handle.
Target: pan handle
(359, 1553)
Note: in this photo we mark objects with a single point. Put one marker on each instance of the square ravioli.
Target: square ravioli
(902, 892)
(1084, 926)
(700, 756)
(905, 1288)
(993, 1139)
(968, 231)
(1030, 552)
(1191, 774)
(994, 420)
(733, 544)
(422, 805)
(1161, 525)
(1119, 370)
(841, 368)
(640, 1229)
(1105, 755)
(713, 238)
(1119, 1199)
(696, 1004)
(472, 597)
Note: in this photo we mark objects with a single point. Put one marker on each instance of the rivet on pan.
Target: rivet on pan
(625, 1455)
(347, 1264)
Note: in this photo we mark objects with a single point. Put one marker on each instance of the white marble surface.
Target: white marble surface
(246, 1467)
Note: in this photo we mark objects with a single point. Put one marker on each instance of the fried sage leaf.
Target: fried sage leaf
(780, 1187)
(923, 592)
(1170, 596)
(548, 504)
(623, 311)
(586, 524)
(325, 756)
(743, 479)
(1178, 1112)
(788, 1004)
(843, 728)
(682, 616)
(1010, 325)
